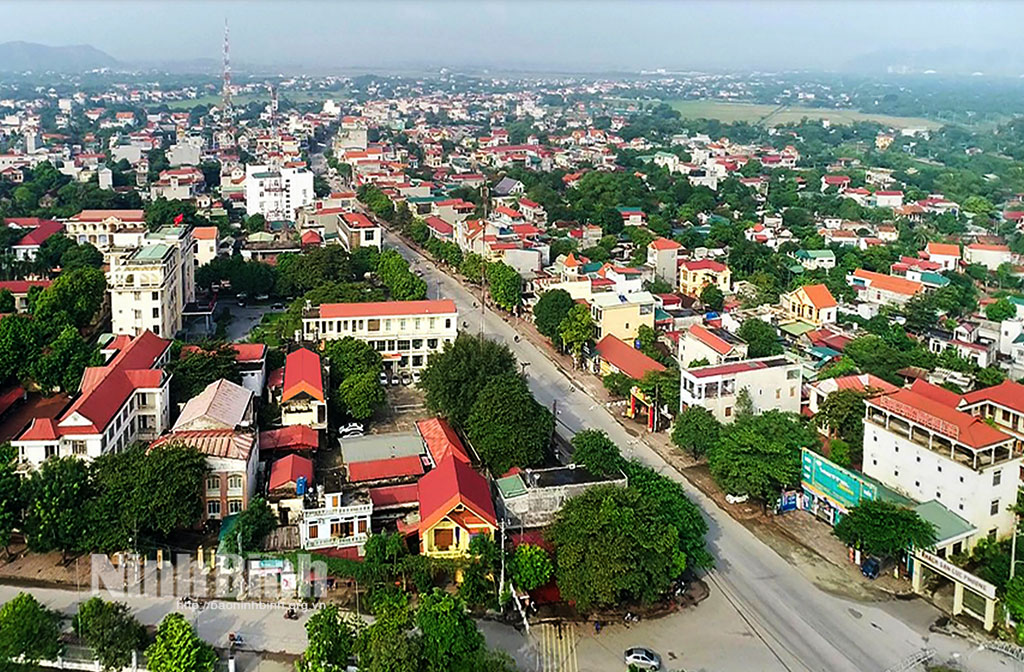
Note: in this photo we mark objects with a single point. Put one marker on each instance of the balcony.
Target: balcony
(336, 542)
(352, 510)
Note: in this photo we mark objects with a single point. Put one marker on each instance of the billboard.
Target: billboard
(842, 487)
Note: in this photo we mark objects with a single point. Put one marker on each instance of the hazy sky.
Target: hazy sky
(571, 34)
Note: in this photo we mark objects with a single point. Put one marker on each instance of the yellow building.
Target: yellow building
(455, 506)
(621, 314)
(811, 303)
(695, 275)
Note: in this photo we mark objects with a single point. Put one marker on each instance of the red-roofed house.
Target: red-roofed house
(285, 475)
(27, 247)
(207, 239)
(302, 398)
(883, 289)
(455, 505)
(927, 450)
(125, 400)
(20, 288)
(1003, 404)
(296, 437)
(663, 257)
(99, 226)
(695, 275)
(441, 440)
(945, 254)
(439, 228)
(712, 345)
(615, 356)
(810, 303)
(989, 256)
(356, 230)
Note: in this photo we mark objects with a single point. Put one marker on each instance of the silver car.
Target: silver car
(642, 657)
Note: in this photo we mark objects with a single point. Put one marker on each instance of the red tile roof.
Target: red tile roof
(454, 482)
(36, 236)
(289, 469)
(40, 429)
(358, 220)
(302, 375)
(22, 286)
(205, 232)
(963, 427)
(820, 296)
(294, 437)
(100, 215)
(626, 359)
(944, 249)
(935, 393)
(889, 283)
(664, 244)
(1006, 393)
(387, 308)
(704, 265)
(710, 339)
(439, 225)
(223, 443)
(391, 467)
(394, 495)
(441, 440)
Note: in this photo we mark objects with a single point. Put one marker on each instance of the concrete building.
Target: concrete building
(356, 230)
(695, 275)
(813, 304)
(404, 332)
(919, 444)
(276, 193)
(122, 401)
(302, 397)
(771, 382)
(881, 289)
(621, 314)
(207, 242)
(710, 344)
(533, 498)
(812, 260)
(150, 285)
(336, 520)
(101, 227)
(989, 256)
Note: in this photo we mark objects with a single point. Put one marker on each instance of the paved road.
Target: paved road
(795, 625)
(243, 319)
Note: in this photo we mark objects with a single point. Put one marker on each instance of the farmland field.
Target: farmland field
(775, 114)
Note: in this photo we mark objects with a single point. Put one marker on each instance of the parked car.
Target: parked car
(642, 657)
(262, 297)
(383, 379)
(396, 379)
(870, 568)
(350, 430)
(416, 377)
(277, 306)
(406, 379)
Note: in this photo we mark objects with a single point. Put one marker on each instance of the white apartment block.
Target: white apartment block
(926, 449)
(150, 285)
(773, 383)
(125, 400)
(276, 193)
(405, 333)
(341, 520)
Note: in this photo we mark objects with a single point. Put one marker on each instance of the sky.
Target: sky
(568, 35)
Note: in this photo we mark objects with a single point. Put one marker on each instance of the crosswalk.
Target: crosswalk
(556, 647)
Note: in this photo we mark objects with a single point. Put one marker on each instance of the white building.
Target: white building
(771, 382)
(340, 520)
(989, 256)
(150, 285)
(276, 193)
(207, 242)
(105, 228)
(127, 399)
(916, 442)
(405, 333)
(356, 230)
(881, 289)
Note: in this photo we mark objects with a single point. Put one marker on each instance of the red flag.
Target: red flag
(179, 218)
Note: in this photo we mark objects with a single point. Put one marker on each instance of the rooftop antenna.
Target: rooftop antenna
(226, 90)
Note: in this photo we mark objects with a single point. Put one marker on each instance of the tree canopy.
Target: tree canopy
(177, 647)
(760, 337)
(696, 430)
(455, 377)
(552, 307)
(507, 426)
(28, 630)
(884, 529)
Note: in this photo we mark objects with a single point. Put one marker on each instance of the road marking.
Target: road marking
(557, 647)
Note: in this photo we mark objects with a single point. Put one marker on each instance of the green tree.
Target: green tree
(330, 639)
(507, 426)
(19, 341)
(840, 453)
(254, 524)
(386, 646)
(450, 640)
(195, 368)
(61, 366)
(884, 529)
(551, 309)
(758, 455)
(531, 567)
(362, 394)
(761, 338)
(473, 268)
(75, 297)
(110, 630)
(81, 256)
(55, 518)
(576, 330)
(10, 494)
(178, 648)
(7, 305)
(1000, 310)
(28, 630)
(454, 377)
(350, 356)
(668, 498)
(505, 285)
(619, 384)
(989, 376)
(592, 449)
(712, 297)
(842, 413)
(696, 430)
(611, 545)
(255, 223)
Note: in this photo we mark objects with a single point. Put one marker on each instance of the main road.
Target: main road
(769, 616)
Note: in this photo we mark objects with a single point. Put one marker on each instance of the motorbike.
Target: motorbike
(291, 615)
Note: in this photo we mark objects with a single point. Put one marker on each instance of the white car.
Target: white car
(642, 658)
(383, 377)
(350, 431)
(416, 377)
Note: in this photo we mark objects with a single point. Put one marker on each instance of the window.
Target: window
(432, 343)
(78, 447)
(235, 482)
(314, 531)
(918, 458)
(997, 477)
(234, 506)
(728, 411)
(213, 508)
(778, 394)
(417, 343)
(368, 235)
(156, 312)
(373, 325)
(793, 374)
(994, 508)
(992, 534)
(155, 296)
(213, 483)
(448, 323)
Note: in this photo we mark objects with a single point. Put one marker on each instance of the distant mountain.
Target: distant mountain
(947, 61)
(21, 56)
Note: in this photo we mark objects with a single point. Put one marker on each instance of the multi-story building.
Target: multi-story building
(989, 256)
(770, 382)
(813, 304)
(711, 345)
(621, 314)
(663, 257)
(356, 230)
(276, 193)
(337, 520)
(812, 260)
(107, 228)
(150, 285)
(916, 442)
(405, 333)
(207, 241)
(882, 289)
(302, 397)
(125, 400)
(182, 184)
(695, 275)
